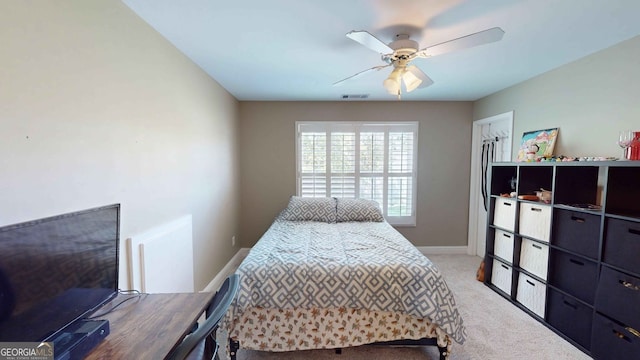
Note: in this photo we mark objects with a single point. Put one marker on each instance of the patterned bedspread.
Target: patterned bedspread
(357, 265)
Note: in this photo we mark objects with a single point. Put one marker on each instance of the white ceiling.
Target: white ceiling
(296, 49)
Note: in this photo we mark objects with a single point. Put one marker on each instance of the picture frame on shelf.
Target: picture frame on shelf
(537, 144)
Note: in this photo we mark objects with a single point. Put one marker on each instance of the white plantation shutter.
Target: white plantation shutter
(343, 164)
(375, 161)
(313, 163)
(400, 173)
(372, 150)
(372, 188)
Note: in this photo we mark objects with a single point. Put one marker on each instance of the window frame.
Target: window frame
(327, 127)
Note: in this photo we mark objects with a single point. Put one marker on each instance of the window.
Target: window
(375, 161)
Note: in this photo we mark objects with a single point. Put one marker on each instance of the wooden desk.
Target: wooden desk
(150, 326)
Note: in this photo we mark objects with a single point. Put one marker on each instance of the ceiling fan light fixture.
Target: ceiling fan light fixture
(411, 82)
(392, 83)
(392, 86)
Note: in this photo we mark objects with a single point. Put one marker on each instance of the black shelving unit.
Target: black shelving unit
(572, 263)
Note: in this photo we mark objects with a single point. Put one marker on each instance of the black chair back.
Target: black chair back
(193, 346)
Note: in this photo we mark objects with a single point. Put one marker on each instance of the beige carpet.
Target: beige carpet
(496, 329)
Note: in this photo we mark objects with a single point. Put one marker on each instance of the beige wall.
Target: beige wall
(590, 100)
(97, 108)
(267, 162)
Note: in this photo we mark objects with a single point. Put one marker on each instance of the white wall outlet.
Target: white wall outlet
(233, 240)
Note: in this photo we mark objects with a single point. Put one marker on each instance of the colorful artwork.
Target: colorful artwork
(537, 144)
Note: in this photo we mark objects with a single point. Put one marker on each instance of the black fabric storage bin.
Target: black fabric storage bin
(570, 317)
(618, 296)
(576, 231)
(622, 244)
(575, 275)
(611, 340)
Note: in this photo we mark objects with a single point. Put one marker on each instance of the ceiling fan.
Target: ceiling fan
(403, 50)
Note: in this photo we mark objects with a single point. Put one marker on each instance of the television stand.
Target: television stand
(77, 340)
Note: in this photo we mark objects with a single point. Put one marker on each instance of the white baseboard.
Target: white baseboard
(443, 250)
(227, 270)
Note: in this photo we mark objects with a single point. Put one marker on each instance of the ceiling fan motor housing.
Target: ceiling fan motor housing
(403, 42)
(403, 47)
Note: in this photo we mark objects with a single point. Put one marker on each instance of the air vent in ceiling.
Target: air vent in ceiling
(354, 96)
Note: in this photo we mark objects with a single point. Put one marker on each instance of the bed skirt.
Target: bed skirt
(279, 330)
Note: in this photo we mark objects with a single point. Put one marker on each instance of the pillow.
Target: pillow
(310, 209)
(358, 210)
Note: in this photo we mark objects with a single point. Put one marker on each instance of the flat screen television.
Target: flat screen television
(56, 271)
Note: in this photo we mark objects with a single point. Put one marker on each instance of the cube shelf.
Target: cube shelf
(571, 261)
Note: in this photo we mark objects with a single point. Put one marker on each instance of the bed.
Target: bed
(331, 273)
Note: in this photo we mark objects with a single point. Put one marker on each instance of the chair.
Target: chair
(201, 343)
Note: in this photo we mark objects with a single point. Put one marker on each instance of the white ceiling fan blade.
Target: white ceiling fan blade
(414, 78)
(479, 38)
(369, 41)
(375, 68)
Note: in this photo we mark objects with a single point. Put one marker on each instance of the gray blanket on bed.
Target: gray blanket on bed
(366, 265)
